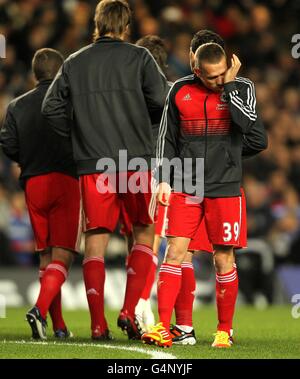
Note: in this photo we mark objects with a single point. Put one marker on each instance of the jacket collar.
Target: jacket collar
(44, 82)
(108, 39)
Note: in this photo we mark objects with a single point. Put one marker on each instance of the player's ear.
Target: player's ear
(197, 72)
(126, 34)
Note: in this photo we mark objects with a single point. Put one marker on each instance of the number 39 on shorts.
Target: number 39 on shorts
(228, 231)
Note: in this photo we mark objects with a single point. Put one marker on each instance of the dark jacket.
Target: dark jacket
(155, 121)
(27, 139)
(113, 87)
(255, 141)
(220, 128)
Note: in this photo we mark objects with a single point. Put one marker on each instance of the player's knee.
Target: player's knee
(223, 258)
(63, 255)
(188, 258)
(144, 234)
(174, 254)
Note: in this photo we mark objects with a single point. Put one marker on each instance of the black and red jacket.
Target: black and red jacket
(200, 123)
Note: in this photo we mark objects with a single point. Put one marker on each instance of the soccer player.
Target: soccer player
(113, 87)
(253, 142)
(143, 311)
(48, 176)
(213, 131)
(183, 332)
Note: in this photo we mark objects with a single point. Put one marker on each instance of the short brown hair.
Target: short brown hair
(111, 16)
(45, 63)
(156, 47)
(210, 53)
(205, 36)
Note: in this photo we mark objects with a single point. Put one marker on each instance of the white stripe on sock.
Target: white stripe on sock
(226, 278)
(187, 265)
(54, 266)
(170, 269)
(143, 249)
(96, 259)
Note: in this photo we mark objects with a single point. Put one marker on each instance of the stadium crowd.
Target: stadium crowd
(258, 32)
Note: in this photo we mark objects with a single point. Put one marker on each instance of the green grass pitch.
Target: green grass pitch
(269, 333)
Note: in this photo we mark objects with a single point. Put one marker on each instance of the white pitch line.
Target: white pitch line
(154, 354)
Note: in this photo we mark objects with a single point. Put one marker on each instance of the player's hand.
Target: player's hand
(163, 193)
(232, 71)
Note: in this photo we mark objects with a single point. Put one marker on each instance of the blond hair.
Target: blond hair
(111, 16)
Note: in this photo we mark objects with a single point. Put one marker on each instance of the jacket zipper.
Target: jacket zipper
(206, 128)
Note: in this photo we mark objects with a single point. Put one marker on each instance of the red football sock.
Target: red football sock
(55, 309)
(55, 275)
(150, 279)
(137, 272)
(226, 294)
(185, 299)
(94, 279)
(168, 287)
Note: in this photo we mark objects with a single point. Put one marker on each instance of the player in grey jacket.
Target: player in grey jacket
(112, 87)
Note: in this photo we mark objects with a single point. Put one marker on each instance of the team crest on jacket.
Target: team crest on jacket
(223, 97)
(224, 100)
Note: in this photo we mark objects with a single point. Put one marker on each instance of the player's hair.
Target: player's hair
(111, 16)
(205, 36)
(45, 63)
(156, 47)
(209, 53)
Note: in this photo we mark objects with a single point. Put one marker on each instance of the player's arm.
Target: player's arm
(155, 85)
(255, 141)
(166, 148)
(56, 106)
(241, 97)
(9, 140)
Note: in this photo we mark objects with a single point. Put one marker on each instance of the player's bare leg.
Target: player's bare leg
(176, 250)
(45, 258)
(156, 244)
(96, 242)
(226, 293)
(143, 234)
(223, 258)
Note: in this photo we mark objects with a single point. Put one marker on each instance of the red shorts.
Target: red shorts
(103, 194)
(53, 202)
(201, 241)
(160, 223)
(243, 232)
(126, 225)
(223, 217)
